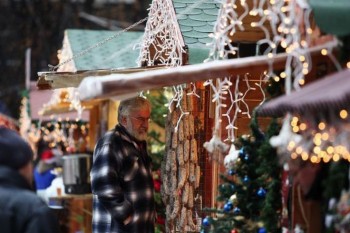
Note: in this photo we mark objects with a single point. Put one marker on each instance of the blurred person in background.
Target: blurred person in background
(44, 172)
(22, 211)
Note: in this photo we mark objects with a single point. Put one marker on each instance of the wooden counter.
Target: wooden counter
(74, 212)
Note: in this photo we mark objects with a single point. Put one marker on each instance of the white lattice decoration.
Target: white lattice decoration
(290, 29)
(224, 27)
(161, 43)
(229, 21)
(177, 99)
(66, 95)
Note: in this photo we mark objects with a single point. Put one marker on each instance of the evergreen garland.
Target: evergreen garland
(270, 174)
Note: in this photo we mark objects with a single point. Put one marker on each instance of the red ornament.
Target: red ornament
(234, 231)
(160, 220)
(157, 185)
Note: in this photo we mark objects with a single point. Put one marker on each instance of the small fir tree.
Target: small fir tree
(251, 189)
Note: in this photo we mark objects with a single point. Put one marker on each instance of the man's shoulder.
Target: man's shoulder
(106, 138)
(109, 138)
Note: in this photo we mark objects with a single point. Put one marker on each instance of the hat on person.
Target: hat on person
(48, 157)
(14, 151)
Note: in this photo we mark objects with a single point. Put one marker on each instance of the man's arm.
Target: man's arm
(105, 183)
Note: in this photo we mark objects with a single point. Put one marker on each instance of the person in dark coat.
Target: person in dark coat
(121, 177)
(21, 210)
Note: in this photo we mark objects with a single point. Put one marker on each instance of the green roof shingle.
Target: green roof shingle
(196, 23)
(332, 16)
(113, 54)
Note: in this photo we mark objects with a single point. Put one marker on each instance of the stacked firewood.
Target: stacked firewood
(180, 169)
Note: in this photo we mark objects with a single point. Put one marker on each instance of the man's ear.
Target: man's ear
(123, 120)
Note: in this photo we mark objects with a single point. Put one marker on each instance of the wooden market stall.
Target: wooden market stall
(100, 114)
(324, 101)
(233, 58)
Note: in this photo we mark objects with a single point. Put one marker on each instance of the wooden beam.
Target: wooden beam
(125, 84)
(54, 80)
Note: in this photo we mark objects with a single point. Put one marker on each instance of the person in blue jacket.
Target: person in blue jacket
(22, 211)
(44, 173)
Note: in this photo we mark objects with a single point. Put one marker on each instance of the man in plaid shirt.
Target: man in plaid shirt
(121, 177)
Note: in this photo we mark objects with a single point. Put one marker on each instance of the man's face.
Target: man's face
(137, 123)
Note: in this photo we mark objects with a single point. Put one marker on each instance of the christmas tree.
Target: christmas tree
(251, 189)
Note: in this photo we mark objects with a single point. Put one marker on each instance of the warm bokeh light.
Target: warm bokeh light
(293, 155)
(295, 129)
(314, 159)
(304, 156)
(343, 114)
(336, 157)
(322, 125)
(299, 150)
(325, 136)
(330, 150)
(302, 126)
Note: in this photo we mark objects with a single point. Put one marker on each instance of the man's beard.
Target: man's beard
(140, 135)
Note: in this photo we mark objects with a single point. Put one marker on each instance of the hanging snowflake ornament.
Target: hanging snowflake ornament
(281, 141)
(215, 143)
(233, 199)
(231, 157)
(298, 229)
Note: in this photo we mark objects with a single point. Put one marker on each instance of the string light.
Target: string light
(324, 143)
(343, 114)
(302, 126)
(321, 125)
(283, 74)
(304, 156)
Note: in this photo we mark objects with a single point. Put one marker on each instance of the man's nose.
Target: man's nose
(145, 123)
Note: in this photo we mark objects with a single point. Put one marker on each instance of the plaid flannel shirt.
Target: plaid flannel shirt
(122, 185)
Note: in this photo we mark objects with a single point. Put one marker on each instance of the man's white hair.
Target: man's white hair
(129, 105)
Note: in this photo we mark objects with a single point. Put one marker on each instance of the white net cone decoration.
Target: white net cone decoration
(161, 37)
(67, 95)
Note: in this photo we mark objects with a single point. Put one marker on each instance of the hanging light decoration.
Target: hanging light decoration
(326, 139)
